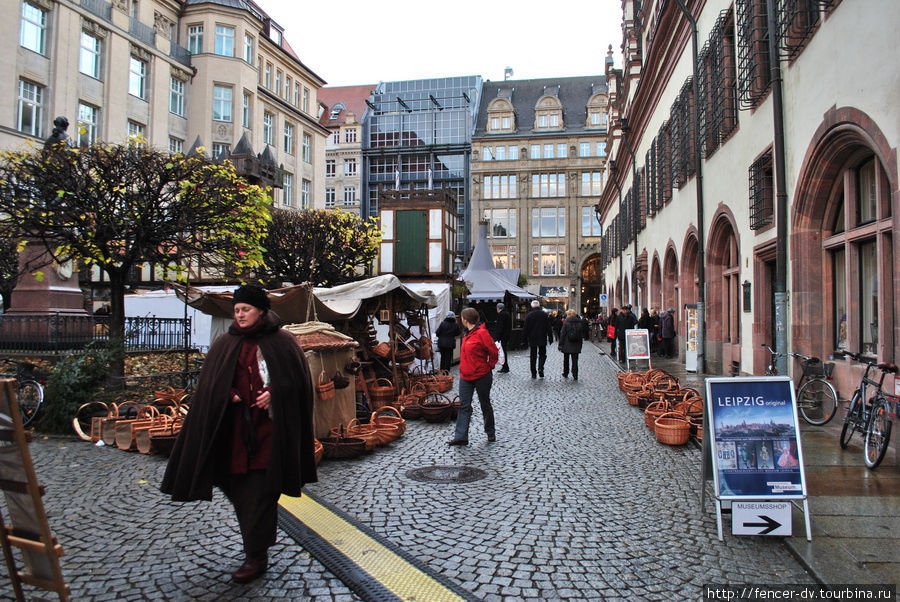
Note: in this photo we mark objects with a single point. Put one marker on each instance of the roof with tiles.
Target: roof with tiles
(353, 99)
(573, 93)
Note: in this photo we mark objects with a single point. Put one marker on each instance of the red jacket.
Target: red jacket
(477, 354)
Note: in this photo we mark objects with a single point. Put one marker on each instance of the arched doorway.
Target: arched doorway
(689, 279)
(670, 281)
(723, 315)
(591, 285)
(656, 300)
(844, 244)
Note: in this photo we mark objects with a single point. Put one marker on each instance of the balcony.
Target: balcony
(141, 31)
(98, 7)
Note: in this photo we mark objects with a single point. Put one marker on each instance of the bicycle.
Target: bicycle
(878, 430)
(860, 410)
(29, 390)
(817, 399)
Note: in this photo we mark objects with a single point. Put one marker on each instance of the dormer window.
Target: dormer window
(501, 118)
(336, 111)
(548, 114)
(597, 117)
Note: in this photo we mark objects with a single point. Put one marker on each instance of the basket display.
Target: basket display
(381, 393)
(343, 447)
(654, 411)
(325, 387)
(169, 396)
(382, 350)
(423, 348)
(444, 380)
(672, 429)
(355, 428)
(436, 407)
(388, 422)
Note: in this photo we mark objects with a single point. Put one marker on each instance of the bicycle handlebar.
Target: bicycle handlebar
(859, 357)
(806, 358)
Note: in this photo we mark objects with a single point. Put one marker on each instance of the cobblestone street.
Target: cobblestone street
(579, 502)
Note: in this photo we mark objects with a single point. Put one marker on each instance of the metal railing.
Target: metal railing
(142, 31)
(180, 54)
(99, 7)
(62, 332)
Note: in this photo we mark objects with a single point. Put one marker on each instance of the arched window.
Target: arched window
(500, 117)
(548, 114)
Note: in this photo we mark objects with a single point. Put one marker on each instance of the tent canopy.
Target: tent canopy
(350, 296)
(484, 281)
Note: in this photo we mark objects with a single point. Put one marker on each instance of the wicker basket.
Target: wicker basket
(436, 407)
(355, 428)
(342, 447)
(169, 396)
(444, 380)
(88, 418)
(381, 393)
(382, 350)
(672, 429)
(388, 422)
(654, 411)
(423, 348)
(325, 387)
(318, 451)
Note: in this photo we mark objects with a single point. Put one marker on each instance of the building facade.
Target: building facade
(342, 108)
(418, 136)
(175, 72)
(538, 167)
(679, 231)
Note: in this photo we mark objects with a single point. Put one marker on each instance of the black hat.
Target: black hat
(254, 295)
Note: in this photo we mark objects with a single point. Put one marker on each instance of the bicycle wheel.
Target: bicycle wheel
(853, 417)
(878, 434)
(817, 401)
(30, 395)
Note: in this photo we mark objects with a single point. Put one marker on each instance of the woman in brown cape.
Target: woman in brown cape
(249, 430)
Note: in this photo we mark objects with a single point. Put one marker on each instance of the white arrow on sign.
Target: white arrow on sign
(761, 518)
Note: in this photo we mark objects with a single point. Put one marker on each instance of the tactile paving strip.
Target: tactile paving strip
(372, 568)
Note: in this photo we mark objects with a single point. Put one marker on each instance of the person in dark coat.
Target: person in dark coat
(644, 320)
(556, 322)
(610, 325)
(667, 333)
(625, 321)
(502, 330)
(250, 428)
(446, 332)
(654, 330)
(538, 333)
(570, 341)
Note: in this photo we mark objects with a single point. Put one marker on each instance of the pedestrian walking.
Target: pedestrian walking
(477, 357)
(538, 333)
(446, 333)
(625, 321)
(249, 431)
(610, 324)
(654, 330)
(556, 322)
(570, 342)
(667, 333)
(502, 330)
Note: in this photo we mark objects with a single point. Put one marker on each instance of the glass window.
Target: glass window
(222, 103)
(89, 55)
(287, 88)
(838, 259)
(305, 186)
(500, 187)
(245, 110)
(505, 256)
(513, 153)
(176, 96)
(224, 40)
(595, 117)
(501, 153)
(176, 145)
(307, 147)
(561, 151)
(867, 206)
(554, 121)
(601, 149)
(30, 110)
(330, 170)
(34, 28)
(542, 121)
(535, 151)
(134, 10)
(287, 190)
(278, 86)
(88, 122)
(305, 100)
(495, 123)
(329, 197)
(296, 94)
(248, 48)
(548, 260)
(195, 39)
(548, 151)
(591, 183)
(349, 167)
(868, 298)
(548, 185)
(548, 222)
(135, 130)
(289, 138)
(268, 127)
(505, 123)
(487, 153)
(350, 135)
(589, 224)
(268, 76)
(584, 149)
(137, 77)
(336, 137)
(220, 149)
(350, 195)
(501, 223)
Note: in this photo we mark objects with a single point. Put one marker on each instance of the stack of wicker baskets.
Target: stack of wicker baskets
(674, 413)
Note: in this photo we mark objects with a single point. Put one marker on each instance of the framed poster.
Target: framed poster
(755, 438)
(637, 344)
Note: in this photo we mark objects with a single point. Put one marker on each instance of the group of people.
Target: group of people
(661, 329)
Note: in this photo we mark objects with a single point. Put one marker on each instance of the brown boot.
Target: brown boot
(251, 569)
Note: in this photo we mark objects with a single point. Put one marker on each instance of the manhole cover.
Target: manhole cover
(446, 474)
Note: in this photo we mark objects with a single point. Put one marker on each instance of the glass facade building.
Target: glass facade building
(417, 134)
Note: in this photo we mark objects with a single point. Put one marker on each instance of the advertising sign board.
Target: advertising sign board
(637, 344)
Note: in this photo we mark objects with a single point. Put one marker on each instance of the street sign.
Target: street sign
(604, 300)
(761, 518)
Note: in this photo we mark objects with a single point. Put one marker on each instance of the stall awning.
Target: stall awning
(292, 304)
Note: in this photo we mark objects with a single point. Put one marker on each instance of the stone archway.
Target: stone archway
(591, 277)
(723, 293)
(656, 299)
(670, 280)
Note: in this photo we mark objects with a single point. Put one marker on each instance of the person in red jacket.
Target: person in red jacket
(477, 357)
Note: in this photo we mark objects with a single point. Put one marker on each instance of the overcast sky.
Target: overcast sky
(364, 42)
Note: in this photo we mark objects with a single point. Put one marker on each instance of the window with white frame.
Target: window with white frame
(601, 149)
(548, 151)
(245, 110)
(589, 224)
(591, 183)
(30, 109)
(222, 98)
(543, 120)
(535, 151)
(595, 118)
(176, 145)
(134, 9)
(289, 138)
(505, 257)
(288, 84)
(306, 151)
(33, 32)
(279, 90)
(548, 222)
(296, 94)
(488, 154)
(305, 187)
(554, 121)
(176, 96)
(501, 223)
(350, 135)
(287, 190)
(349, 196)
(584, 149)
(500, 187)
(89, 55)
(137, 77)
(268, 128)
(224, 40)
(349, 167)
(495, 123)
(336, 137)
(329, 197)
(248, 48)
(512, 153)
(330, 169)
(220, 149)
(305, 100)
(195, 39)
(267, 82)
(561, 151)
(548, 260)
(505, 123)
(548, 185)
(136, 130)
(88, 123)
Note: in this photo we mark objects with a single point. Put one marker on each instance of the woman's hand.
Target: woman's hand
(263, 400)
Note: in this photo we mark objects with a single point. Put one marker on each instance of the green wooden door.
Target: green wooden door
(410, 249)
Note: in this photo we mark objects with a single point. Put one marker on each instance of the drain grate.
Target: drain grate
(446, 474)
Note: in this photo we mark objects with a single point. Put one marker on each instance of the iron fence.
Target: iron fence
(63, 332)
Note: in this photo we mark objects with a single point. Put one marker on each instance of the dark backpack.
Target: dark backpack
(574, 334)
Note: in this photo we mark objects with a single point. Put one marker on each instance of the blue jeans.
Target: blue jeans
(466, 390)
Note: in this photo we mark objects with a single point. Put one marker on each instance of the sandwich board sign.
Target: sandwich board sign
(637, 345)
(757, 460)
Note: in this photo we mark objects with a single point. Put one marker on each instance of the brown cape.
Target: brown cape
(202, 453)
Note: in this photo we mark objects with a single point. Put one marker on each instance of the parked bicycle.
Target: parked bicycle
(817, 400)
(29, 390)
(869, 411)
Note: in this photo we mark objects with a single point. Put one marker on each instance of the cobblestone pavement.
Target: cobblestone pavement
(580, 502)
